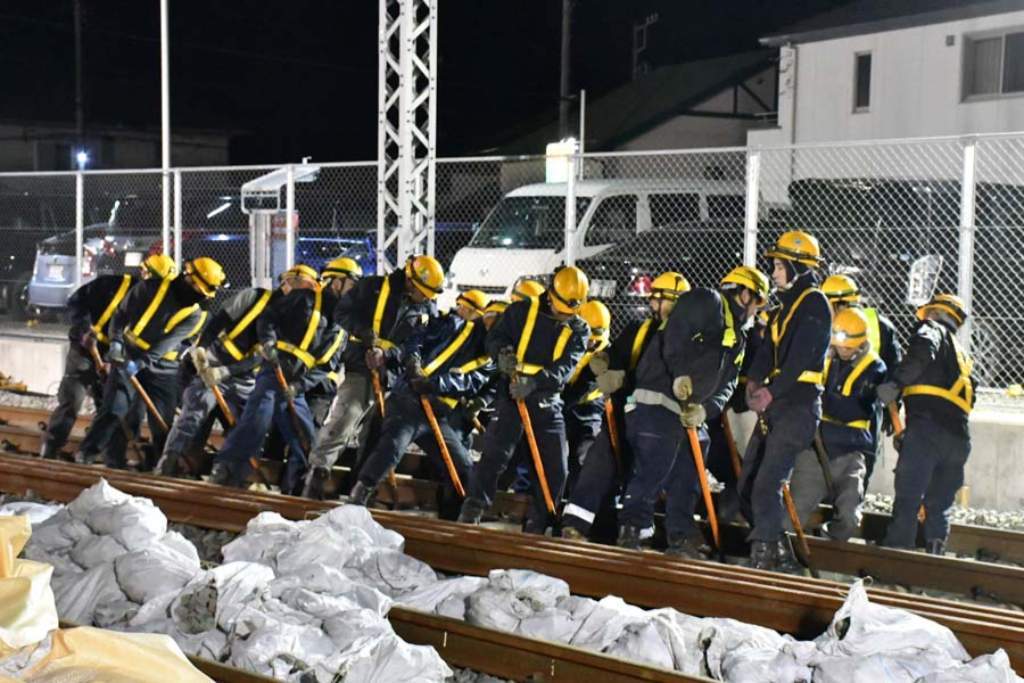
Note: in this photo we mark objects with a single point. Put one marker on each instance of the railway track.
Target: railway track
(796, 605)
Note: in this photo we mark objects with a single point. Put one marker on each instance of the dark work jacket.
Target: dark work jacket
(755, 336)
(931, 360)
(801, 345)
(466, 369)
(691, 343)
(625, 351)
(355, 311)
(581, 405)
(179, 316)
(842, 405)
(547, 330)
(246, 339)
(889, 343)
(286, 319)
(89, 302)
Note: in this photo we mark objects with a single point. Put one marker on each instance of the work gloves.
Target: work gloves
(682, 387)
(212, 376)
(611, 381)
(375, 359)
(759, 400)
(268, 352)
(522, 387)
(421, 384)
(507, 361)
(693, 415)
(115, 354)
(599, 363)
(888, 392)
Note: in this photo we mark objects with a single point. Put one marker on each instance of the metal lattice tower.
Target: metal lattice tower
(406, 130)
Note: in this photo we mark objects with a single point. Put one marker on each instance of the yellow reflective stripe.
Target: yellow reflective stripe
(939, 392)
(180, 316)
(333, 376)
(228, 342)
(855, 424)
(108, 312)
(474, 364)
(382, 302)
(529, 368)
(729, 333)
(531, 321)
(314, 321)
(874, 328)
(137, 341)
(305, 356)
(778, 334)
(961, 393)
(332, 349)
(448, 401)
(807, 376)
(858, 370)
(592, 396)
(450, 351)
(563, 339)
(638, 343)
(584, 361)
(150, 311)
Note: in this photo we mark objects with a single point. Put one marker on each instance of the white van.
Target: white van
(524, 234)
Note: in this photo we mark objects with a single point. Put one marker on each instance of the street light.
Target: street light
(82, 158)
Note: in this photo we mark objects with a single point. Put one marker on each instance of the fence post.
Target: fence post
(177, 218)
(965, 272)
(165, 232)
(753, 185)
(79, 226)
(570, 211)
(289, 228)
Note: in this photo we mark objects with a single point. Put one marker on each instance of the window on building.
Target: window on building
(862, 81)
(994, 65)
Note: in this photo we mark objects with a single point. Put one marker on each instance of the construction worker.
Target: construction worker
(524, 288)
(935, 383)
(784, 389)
(852, 372)
(225, 358)
(91, 307)
(380, 313)
(842, 292)
(146, 332)
(590, 511)
(694, 357)
(583, 409)
(536, 344)
(297, 346)
(444, 363)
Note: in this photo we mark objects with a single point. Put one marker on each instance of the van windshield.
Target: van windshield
(527, 223)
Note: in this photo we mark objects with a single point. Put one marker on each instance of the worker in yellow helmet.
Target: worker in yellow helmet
(590, 512)
(158, 265)
(146, 331)
(536, 344)
(380, 312)
(833, 469)
(784, 389)
(935, 381)
(524, 288)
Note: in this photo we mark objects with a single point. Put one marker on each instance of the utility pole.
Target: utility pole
(563, 90)
(165, 124)
(79, 104)
(640, 43)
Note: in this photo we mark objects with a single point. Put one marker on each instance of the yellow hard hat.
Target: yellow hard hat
(302, 272)
(475, 299)
(206, 274)
(568, 290)
(849, 329)
(496, 307)
(669, 285)
(524, 289)
(751, 278)
(426, 275)
(160, 265)
(797, 245)
(342, 267)
(598, 317)
(841, 288)
(947, 303)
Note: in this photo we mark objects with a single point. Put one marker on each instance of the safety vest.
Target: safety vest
(961, 394)
(302, 350)
(136, 335)
(847, 389)
(378, 316)
(808, 376)
(327, 355)
(638, 343)
(524, 340)
(228, 340)
(108, 312)
(449, 351)
(585, 361)
(874, 328)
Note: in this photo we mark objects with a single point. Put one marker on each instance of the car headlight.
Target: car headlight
(602, 289)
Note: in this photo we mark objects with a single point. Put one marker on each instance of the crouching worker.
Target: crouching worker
(834, 470)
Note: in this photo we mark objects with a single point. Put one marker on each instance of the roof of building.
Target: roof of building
(646, 102)
(874, 16)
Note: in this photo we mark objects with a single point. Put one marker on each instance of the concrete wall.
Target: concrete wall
(36, 361)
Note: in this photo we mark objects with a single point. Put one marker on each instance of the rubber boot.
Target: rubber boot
(572, 533)
(684, 548)
(629, 537)
(47, 451)
(167, 465)
(315, 480)
(534, 525)
(787, 561)
(361, 494)
(83, 458)
(221, 474)
(935, 546)
(472, 511)
(764, 555)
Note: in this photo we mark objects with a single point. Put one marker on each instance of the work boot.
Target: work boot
(360, 494)
(83, 458)
(629, 537)
(764, 555)
(684, 548)
(472, 511)
(936, 546)
(573, 534)
(47, 451)
(221, 474)
(787, 562)
(167, 465)
(314, 488)
(535, 525)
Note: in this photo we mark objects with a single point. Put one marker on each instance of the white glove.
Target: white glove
(611, 381)
(214, 376)
(682, 387)
(693, 416)
(599, 363)
(200, 359)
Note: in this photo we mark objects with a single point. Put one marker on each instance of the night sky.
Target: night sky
(300, 77)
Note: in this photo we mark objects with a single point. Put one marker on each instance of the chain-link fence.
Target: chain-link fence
(876, 208)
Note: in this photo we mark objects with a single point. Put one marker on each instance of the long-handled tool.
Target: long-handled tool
(897, 433)
(428, 410)
(229, 418)
(705, 490)
(801, 539)
(149, 403)
(826, 470)
(478, 426)
(378, 392)
(538, 465)
(300, 433)
(730, 441)
(613, 431)
(101, 370)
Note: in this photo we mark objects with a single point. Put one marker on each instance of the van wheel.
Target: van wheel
(17, 305)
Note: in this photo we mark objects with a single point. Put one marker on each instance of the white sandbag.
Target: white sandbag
(642, 643)
(392, 660)
(95, 550)
(726, 642)
(215, 597)
(115, 614)
(542, 590)
(99, 495)
(679, 632)
(394, 573)
(265, 536)
(355, 631)
(275, 648)
(317, 604)
(78, 598)
(993, 668)
(37, 513)
(768, 666)
(135, 523)
(492, 608)
(550, 623)
(156, 609)
(357, 516)
(61, 561)
(60, 532)
(181, 545)
(427, 598)
(323, 544)
(606, 622)
(154, 570)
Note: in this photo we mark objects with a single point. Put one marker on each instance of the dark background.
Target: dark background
(300, 77)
